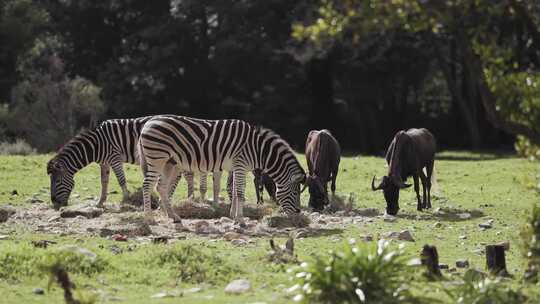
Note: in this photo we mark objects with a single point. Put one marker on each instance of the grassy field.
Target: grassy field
(488, 186)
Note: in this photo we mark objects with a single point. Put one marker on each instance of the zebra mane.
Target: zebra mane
(82, 134)
(262, 130)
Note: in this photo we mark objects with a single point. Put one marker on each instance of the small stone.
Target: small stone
(116, 250)
(462, 237)
(405, 235)
(4, 237)
(231, 235)
(86, 211)
(225, 220)
(14, 192)
(367, 238)
(389, 218)
(239, 242)
(38, 291)
(443, 266)
(437, 225)
(464, 216)
(486, 225)
(161, 295)
(462, 263)
(238, 287)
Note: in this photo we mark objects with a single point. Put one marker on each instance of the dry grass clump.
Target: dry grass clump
(190, 209)
(299, 220)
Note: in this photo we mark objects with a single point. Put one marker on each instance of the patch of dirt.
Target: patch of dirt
(197, 218)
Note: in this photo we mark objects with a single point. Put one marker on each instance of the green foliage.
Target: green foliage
(19, 147)
(193, 265)
(530, 236)
(477, 289)
(527, 149)
(354, 274)
(18, 262)
(74, 260)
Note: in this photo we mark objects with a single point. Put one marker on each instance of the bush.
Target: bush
(19, 147)
(479, 289)
(74, 260)
(527, 149)
(355, 274)
(530, 235)
(193, 265)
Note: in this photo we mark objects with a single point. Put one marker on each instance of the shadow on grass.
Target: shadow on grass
(444, 214)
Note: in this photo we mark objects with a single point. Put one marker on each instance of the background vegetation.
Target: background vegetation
(468, 70)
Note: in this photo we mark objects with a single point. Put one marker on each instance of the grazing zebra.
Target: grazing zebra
(170, 143)
(111, 144)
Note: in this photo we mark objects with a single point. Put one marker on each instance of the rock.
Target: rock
(14, 192)
(464, 216)
(437, 225)
(38, 291)
(321, 222)
(462, 237)
(161, 295)
(238, 287)
(486, 225)
(443, 266)
(86, 211)
(83, 251)
(4, 237)
(389, 218)
(6, 212)
(201, 227)
(54, 218)
(119, 237)
(225, 220)
(239, 242)
(366, 237)
(462, 263)
(405, 235)
(229, 236)
(116, 250)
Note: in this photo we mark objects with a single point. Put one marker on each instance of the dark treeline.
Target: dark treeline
(68, 64)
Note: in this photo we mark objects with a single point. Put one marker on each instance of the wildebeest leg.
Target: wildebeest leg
(105, 170)
(424, 196)
(417, 190)
(334, 176)
(429, 170)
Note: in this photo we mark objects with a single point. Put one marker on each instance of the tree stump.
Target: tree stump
(495, 260)
(430, 258)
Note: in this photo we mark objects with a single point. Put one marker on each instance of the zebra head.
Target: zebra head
(61, 182)
(288, 193)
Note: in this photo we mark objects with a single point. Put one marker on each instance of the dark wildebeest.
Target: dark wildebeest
(323, 156)
(409, 152)
(262, 181)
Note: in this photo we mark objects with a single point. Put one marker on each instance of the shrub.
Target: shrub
(74, 260)
(19, 147)
(193, 265)
(530, 235)
(479, 289)
(17, 262)
(527, 149)
(355, 274)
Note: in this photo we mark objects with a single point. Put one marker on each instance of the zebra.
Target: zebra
(111, 144)
(169, 143)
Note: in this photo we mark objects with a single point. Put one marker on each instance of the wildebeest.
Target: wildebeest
(409, 152)
(262, 181)
(323, 156)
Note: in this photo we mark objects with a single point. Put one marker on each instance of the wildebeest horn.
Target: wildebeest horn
(373, 185)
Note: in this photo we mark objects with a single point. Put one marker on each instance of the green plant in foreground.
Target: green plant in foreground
(530, 235)
(194, 265)
(355, 274)
(480, 289)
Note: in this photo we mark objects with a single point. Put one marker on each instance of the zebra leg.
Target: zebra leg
(105, 170)
(119, 172)
(216, 178)
(203, 186)
(170, 173)
(174, 184)
(230, 186)
(236, 205)
(150, 179)
(189, 179)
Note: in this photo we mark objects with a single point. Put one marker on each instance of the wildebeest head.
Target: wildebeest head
(317, 195)
(61, 183)
(390, 187)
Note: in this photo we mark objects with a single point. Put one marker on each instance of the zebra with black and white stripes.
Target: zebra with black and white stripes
(111, 144)
(169, 143)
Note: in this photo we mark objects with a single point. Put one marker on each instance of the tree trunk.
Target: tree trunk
(489, 101)
(322, 91)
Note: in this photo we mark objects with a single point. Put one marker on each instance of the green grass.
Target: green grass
(501, 187)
